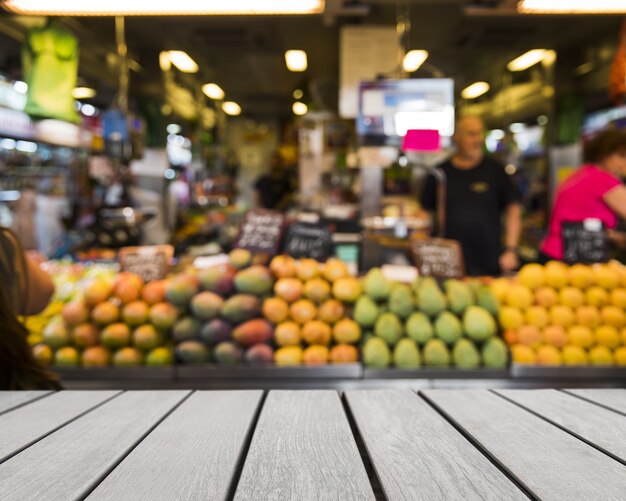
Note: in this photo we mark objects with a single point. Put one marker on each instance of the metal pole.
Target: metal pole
(122, 52)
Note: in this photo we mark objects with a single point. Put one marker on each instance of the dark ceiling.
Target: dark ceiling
(245, 54)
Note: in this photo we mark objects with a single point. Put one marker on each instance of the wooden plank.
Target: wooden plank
(603, 428)
(25, 425)
(303, 448)
(612, 398)
(192, 455)
(418, 455)
(549, 462)
(12, 399)
(71, 461)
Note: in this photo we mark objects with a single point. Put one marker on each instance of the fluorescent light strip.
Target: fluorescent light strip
(213, 91)
(572, 6)
(527, 60)
(475, 90)
(162, 7)
(183, 61)
(231, 108)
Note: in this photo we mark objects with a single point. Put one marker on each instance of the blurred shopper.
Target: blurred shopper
(24, 218)
(26, 290)
(478, 194)
(595, 191)
(52, 208)
(277, 188)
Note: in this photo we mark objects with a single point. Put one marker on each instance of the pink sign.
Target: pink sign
(421, 140)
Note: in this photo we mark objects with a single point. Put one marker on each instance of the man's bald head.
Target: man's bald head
(469, 137)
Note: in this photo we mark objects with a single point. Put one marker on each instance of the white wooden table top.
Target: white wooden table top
(313, 445)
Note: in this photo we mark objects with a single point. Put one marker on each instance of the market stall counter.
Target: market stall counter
(362, 445)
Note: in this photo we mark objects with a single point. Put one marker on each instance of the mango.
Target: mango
(494, 353)
(283, 266)
(275, 309)
(530, 335)
(436, 354)
(580, 276)
(537, 316)
(376, 285)
(303, 311)
(316, 332)
(256, 280)
(316, 355)
(465, 355)
(253, 332)
(500, 287)
(154, 292)
(75, 313)
(614, 316)
(259, 354)
(228, 353)
(127, 357)
(85, 335)
(608, 336)
(287, 334)
(186, 329)
(105, 313)
(116, 336)
(346, 331)
(146, 337)
(580, 335)
(240, 308)
(347, 289)
(448, 328)
(510, 318)
(522, 354)
(531, 276)
(460, 296)
(572, 297)
(574, 355)
(289, 289)
(601, 355)
(478, 324)
(306, 269)
(419, 328)
(43, 354)
(334, 269)
(549, 355)
(206, 305)
(620, 356)
(163, 316)
(556, 274)
(587, 315)
(317, 290)
(376, 353)
(95, 356)
(519, 296)
(97, 292)
(561, 315)
(406, 355)
(135, 313)
(127, 287)
(160, 357)
(555, 335)
(605, 277)
(288, 356)
(485, 298)
(401, 301)
(365, 311)
(430, 299)
(598, 297)
(240, 258)
(192, 352)
(344, 354)
(215, 331)
(618, 298)
(219, 279)
(546, 297)
(389, 328)
(180, 289)
(331, 311)
(66, 357)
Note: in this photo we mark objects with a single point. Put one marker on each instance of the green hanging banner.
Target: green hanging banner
(50, 65)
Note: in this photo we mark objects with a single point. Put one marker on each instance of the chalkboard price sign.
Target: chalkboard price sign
(584, 242)
(308, 240)
(437, 257)
(149, 262)
(261, 231)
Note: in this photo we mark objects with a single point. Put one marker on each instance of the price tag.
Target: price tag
(261, 231)
(149, 262)
(438, 257)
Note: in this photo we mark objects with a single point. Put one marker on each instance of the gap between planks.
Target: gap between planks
(482, 449)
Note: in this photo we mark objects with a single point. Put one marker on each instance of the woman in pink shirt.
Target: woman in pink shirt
(595, 191)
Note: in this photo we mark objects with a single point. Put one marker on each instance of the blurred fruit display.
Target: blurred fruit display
(565, 315)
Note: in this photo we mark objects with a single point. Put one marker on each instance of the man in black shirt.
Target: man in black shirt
(478, 192)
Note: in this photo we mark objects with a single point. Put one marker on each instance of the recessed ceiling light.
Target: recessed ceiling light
(297, 94)
(296, 60)
(213, 91)
(163, 7)
(413, 60)
(231, 108)
(299, 108)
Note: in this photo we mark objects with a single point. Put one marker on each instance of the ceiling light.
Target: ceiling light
(475, 90)
(83, 93)
(518, 127)
(299, 108)
(572, 6)
(20, 87)
(164, 61)
(527, 60)
(213, 91)
(297, 94)
(88, 110)
(296, 60)
(173, 129)
(162, 7)
(413, 60)
(231, 108)
(182, 61)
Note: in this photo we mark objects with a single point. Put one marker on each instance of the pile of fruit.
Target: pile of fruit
(410, 326)
(289, 312)
(565, 315)
(121, 322)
